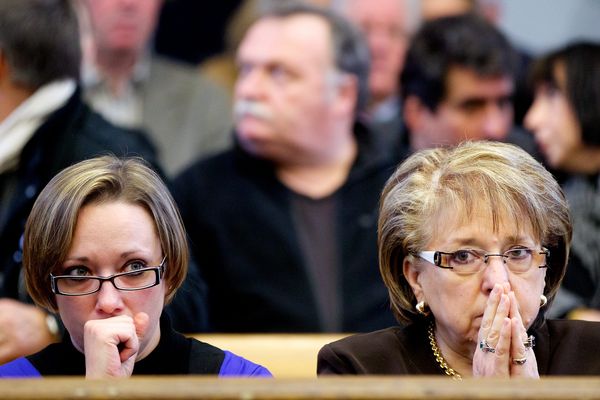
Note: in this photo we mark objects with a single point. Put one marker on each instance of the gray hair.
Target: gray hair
(40, 39)
(350, 51)
(412, 15)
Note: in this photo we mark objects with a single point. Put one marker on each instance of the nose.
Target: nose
(378, 43)
(250, 84)
(108, 300)
(496, 122)
(534, 115)
(495, 271)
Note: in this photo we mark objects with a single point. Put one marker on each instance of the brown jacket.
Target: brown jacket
(562, 347)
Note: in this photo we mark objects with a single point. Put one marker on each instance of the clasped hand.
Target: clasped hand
(111, 345)
(503, 348)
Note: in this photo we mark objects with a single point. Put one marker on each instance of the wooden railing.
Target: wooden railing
(285, 355)
(355, 388)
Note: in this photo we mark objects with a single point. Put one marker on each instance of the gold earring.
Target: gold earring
(422, 308)
(543, 300)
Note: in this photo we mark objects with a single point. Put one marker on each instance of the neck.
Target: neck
(320, 178)
(116, 67)
(459, 359)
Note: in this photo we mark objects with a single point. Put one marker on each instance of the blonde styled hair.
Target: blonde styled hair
(498, 178)
(51, 223)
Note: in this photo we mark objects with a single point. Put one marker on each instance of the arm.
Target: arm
(329, 362)
(23, 330)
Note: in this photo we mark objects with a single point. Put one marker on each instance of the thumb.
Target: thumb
(141, 321)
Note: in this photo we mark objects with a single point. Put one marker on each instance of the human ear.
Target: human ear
(412, 273)
(346, 92)
(413, 111)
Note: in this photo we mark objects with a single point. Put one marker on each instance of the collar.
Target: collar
(91, 77)
(18, 128)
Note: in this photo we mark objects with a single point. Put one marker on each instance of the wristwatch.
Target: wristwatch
(53, 327)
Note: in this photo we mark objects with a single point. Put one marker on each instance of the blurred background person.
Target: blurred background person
(185, 114)
(44, 127)
(458, 83)
(106, 249)
(285, 235)
(492, 11)
(565, 119)
(387, 26)
(473, 244)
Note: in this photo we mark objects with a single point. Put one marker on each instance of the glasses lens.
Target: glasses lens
(519, 260)
(463, 261)
(77, 285)
(136, 279)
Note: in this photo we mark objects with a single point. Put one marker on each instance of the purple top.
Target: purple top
(232, 365)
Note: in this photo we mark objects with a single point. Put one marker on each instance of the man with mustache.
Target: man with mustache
(283, 225)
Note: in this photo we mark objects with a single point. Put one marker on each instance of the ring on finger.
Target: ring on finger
(485, 347)
(519, 361)
(530, 342)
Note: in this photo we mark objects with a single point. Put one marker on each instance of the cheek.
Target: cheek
(74, 313)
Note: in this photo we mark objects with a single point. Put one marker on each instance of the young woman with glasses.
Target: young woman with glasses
(105, 248)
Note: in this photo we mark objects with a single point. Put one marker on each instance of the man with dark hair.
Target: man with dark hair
(458, 82)
(283, 226)
(44, 127)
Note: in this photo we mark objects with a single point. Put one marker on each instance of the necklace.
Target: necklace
(438, 354)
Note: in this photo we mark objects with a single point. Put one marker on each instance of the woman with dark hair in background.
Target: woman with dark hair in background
(565, 119)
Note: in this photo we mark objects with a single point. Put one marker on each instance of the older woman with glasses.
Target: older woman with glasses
(473, 245)
(104, 246)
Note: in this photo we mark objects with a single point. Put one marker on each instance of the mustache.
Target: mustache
(251, 108)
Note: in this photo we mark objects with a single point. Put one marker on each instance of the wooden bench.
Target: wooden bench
(285, 355)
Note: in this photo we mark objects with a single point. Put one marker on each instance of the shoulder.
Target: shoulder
(205, 358)
(79, 132)
(234, 365)
(185, 81)
(203, 180)
(101, 134)
(579, 331)
(364, 353)
(215, 166)
(568, 347)
(19, 368)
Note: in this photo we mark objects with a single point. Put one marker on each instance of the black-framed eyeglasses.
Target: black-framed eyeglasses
(470, 261)
(139, 279)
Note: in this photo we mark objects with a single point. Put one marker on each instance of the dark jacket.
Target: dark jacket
(240, 223)
(71, 134)
(562, 347)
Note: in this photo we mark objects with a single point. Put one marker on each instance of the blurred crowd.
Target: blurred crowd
(276, 131)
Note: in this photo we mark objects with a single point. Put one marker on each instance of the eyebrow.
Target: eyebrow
(123, 255)
(471, 241)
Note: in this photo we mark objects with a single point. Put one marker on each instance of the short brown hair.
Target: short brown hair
(51, 224)
(501, 177)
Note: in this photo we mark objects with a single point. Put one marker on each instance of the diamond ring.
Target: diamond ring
(485, 347)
